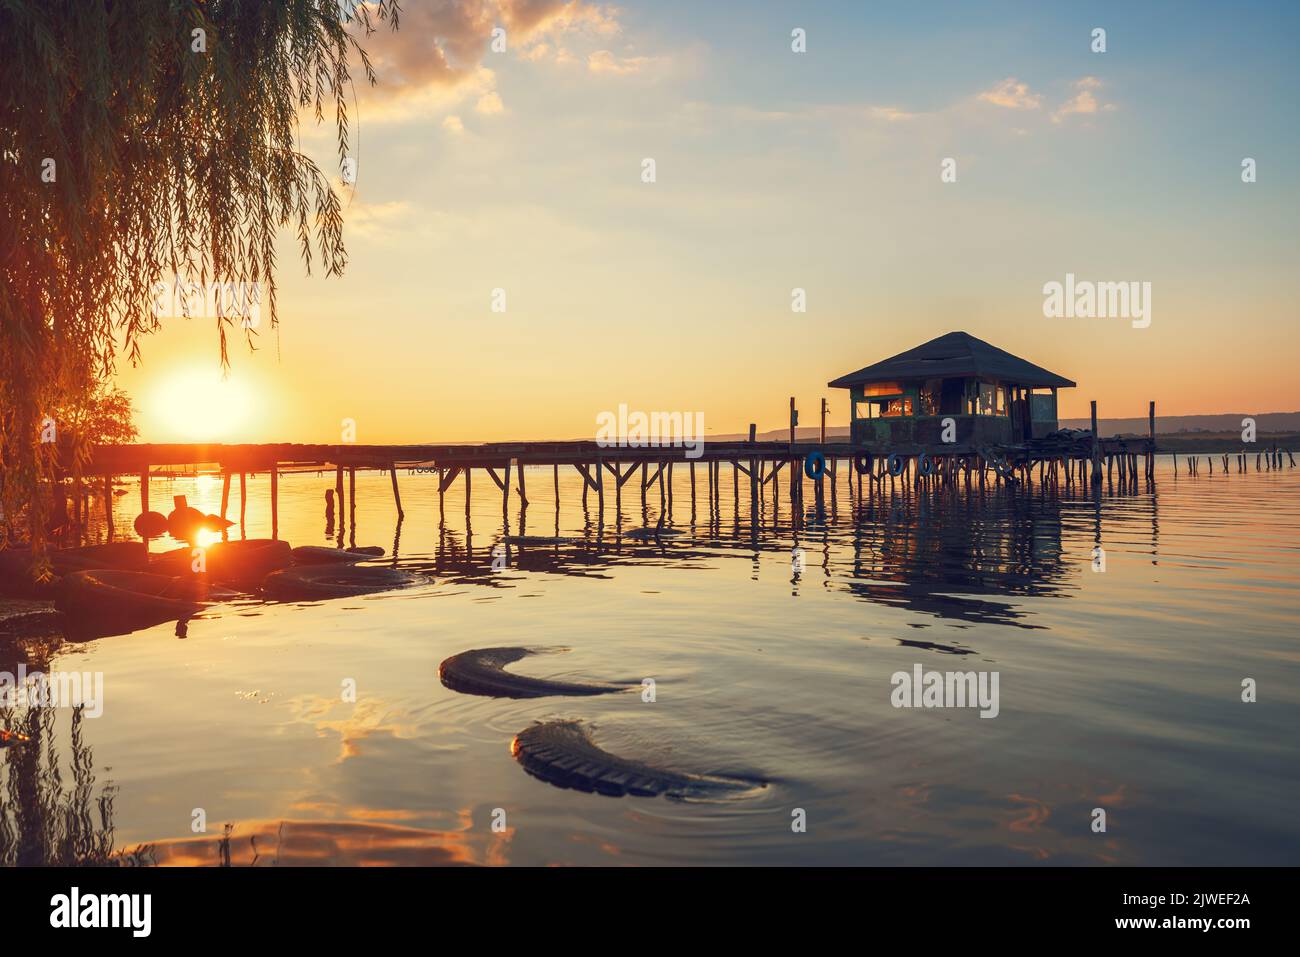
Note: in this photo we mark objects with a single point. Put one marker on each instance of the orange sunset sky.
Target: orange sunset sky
(522, 171)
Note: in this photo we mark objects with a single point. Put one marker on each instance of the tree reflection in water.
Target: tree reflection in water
(53, 815)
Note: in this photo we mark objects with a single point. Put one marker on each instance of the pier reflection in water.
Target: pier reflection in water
(1121, 625)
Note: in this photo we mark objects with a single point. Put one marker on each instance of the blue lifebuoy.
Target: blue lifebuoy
(814, 465)
(895, 464)
(924, 465)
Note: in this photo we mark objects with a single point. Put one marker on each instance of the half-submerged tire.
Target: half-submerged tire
(125, 555)
(109, 601)
(320, 555)
(318, 582)
(563, 753)
(481, 671)
(244, 562)
(16, 566)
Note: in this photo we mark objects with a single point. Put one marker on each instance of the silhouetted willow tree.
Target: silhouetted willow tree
(140, 141)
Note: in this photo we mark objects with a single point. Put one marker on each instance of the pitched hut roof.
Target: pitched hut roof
(957, 354)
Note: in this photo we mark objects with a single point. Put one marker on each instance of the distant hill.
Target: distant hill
(1226, 422)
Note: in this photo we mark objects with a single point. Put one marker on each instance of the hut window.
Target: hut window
(931, 396)
(992, 399)
(951, 393)
(882, 388)
(895, 408)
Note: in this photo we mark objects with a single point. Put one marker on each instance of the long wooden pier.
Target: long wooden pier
(606, 468)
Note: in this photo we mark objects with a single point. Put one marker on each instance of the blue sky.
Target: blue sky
(520, 170)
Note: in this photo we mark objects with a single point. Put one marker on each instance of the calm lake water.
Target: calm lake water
(1118, 689)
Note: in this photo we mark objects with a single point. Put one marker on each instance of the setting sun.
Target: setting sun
(199, 405)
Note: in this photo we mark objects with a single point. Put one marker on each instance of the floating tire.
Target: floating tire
(482, 672)
(125, 555)
(895, 464)
(864, 462)
(814, 465)
(319, 582)
(244, 562)
(925, 466)
(563, 753)
(110, 601)
(320, 555)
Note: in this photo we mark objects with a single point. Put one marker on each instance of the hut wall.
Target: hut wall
(910, 434)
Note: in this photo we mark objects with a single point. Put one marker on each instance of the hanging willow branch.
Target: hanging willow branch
(140, 141)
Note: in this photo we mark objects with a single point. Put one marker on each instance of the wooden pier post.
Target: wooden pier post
(243, 501)
(442, 496)
(275, 499)
(1151, 455)
(523, 488)
(397, 495)
(144, 491)
(600, 491)
(796, 485)
(505, 492)
(225, 494)
(556, 469)
(1096, 448)
(108, 505)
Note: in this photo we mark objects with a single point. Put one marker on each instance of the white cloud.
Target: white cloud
(425, 101)
(1012, 94)
(453, 124)
(605, 61)
(1084, 101)
(490, 103)
(891, 113)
